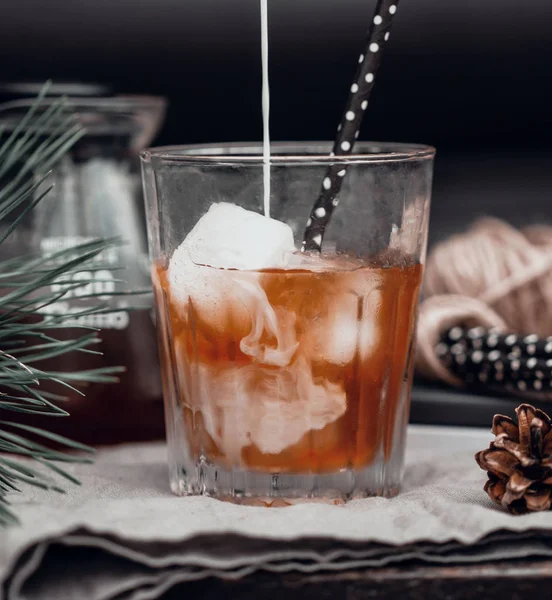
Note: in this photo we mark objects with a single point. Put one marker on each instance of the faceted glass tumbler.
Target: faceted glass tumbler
(291, 380)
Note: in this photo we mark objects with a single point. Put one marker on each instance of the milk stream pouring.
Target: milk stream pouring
(266, 108)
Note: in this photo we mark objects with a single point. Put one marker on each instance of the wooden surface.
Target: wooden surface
(518, 580)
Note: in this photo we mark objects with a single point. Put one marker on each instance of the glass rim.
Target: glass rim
(287, 153)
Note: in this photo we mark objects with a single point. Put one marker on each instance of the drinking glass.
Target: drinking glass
(287, 381)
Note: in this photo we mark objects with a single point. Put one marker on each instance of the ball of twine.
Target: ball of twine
(493, 275)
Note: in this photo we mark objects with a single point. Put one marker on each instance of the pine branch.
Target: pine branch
(42, 137)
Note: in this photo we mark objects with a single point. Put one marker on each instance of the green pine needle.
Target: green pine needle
(41, 138)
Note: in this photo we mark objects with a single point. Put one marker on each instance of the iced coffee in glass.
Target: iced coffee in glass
(286, 374)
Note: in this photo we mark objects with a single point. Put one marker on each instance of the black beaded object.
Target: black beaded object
(349, 127)
(520, 364)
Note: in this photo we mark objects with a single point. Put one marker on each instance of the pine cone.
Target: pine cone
(519, 461)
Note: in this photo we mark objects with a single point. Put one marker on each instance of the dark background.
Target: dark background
(468, 76)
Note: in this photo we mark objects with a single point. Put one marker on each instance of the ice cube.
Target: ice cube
(269, 408)
(327, 262)
(230, 237)
(349, 322)
(202, 272)
(307, 261)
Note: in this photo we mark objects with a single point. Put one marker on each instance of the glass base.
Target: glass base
(273, 489)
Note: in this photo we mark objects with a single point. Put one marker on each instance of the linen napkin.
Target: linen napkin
(123, 535)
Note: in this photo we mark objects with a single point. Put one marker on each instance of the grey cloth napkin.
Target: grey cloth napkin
(123, 535)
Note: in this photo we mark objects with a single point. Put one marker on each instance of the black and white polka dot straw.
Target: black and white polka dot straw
(517, 363)
(348, 130)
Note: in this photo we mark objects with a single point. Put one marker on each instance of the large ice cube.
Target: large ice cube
(230, 237)
(269, 408)
(227, 237)
(236, 240)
